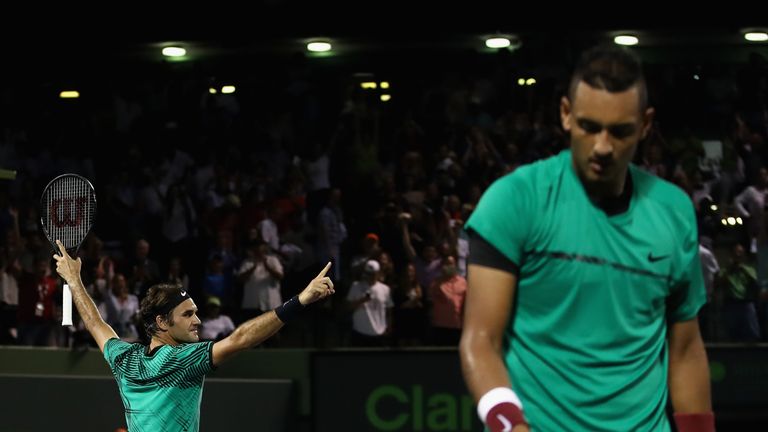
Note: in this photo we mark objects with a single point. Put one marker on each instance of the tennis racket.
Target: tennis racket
(67, 213)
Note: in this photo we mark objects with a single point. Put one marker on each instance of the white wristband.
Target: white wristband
(494, 397)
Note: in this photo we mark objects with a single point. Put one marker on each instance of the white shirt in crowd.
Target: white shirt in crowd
(268, 230)
(709, 267)
(9, 289)
(213, 327)
(370, 319)
(261, 291)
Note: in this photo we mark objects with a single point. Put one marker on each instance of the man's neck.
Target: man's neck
(161, 339)
(616, 199)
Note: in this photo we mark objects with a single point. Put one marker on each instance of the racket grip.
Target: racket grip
(66, 307)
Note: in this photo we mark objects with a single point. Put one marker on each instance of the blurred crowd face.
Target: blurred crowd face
(119, 286)
(449, 266)
(429, 253)
(738, 255)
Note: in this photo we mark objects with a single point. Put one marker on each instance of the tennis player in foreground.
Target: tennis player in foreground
(585, 279)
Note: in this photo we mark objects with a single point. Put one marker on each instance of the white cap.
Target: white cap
(372, 266)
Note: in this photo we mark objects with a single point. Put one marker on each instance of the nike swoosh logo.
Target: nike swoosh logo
(652, 258)
(183, 293)
(507, 424)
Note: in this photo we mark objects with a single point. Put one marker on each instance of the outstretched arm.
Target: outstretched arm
(257, 330)
(69, 269)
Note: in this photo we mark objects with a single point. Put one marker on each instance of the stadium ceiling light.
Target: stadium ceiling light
(69, 94)
(502, 41)
(174, 51)
(228, 89)
(626, 40)
(497, 42)
(384, 84)
(319, 46)
(756, 36)
(385, 97)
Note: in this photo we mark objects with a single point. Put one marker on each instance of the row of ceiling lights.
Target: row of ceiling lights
(629, 39)
(493, 42)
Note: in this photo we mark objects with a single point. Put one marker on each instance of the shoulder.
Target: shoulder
(519, 192)
(663, 193)
(532, 178)
(116, 351)
(115, 343)
(190, 349)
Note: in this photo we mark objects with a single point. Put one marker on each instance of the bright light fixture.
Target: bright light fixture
(497, 42)
(756, 36)
(174, 51)
(318, 46)
(627, 40)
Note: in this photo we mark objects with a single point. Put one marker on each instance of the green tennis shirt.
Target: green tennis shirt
(586, 343)
(162, 390)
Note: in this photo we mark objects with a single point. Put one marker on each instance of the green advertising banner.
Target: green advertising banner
(422, 391)
(390, 391)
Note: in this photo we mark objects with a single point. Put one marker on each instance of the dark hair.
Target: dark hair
(612, 68)
(157, 300)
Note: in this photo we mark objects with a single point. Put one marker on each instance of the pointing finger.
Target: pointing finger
(324, 271)
(61, 248)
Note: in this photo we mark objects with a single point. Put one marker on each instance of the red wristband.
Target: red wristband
(695, 422)
(504, 416)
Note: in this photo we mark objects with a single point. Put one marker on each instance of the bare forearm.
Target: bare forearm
(85, 306)
(482, 366)
(256, 330)
(410, 252)
(689, 385)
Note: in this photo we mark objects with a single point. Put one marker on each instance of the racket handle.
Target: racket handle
(66, 307)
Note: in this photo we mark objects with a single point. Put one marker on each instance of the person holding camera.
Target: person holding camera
(371, 304)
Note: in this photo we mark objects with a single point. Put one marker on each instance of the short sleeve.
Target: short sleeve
(689, 292)
(196, 358)
(504, 216)
(113, 348)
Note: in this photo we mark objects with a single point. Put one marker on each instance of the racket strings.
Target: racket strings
(70, 210)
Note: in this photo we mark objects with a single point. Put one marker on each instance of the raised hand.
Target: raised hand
(68, 268)
(319, 288)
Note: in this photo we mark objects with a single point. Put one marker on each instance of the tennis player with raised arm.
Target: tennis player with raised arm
(161, 383)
